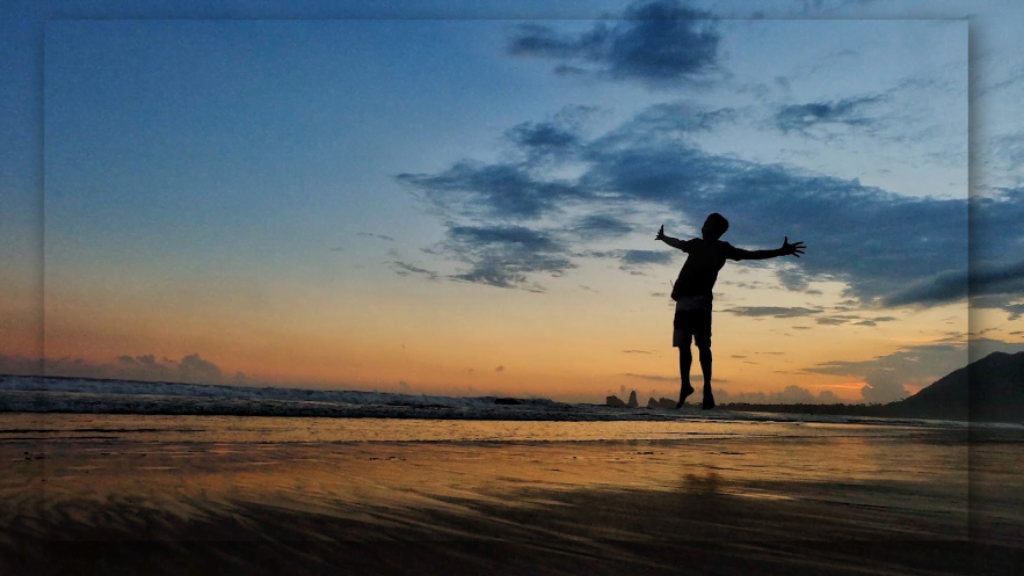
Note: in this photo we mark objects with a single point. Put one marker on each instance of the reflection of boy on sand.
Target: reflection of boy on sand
(692, 293)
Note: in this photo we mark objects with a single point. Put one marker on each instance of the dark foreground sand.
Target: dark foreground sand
(717, 506)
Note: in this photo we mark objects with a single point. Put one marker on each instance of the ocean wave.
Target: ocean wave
(86, 396)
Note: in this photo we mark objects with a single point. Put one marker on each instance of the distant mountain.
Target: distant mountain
(989, 390)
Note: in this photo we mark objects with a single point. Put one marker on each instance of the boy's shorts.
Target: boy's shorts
(692, 320)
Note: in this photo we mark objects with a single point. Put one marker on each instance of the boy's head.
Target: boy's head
(714, 226)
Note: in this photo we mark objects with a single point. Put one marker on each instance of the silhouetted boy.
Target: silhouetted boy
(692, 293)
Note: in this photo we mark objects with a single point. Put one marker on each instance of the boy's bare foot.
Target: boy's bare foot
(682, 396)
(709, 401)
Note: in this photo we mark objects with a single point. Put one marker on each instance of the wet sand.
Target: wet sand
(78, 498)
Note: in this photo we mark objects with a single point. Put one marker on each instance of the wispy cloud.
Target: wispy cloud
(632, 259)
(674, 119)
(384, 237)
(505, 256)
(982, 279)
(492, 191)
(845, 112)
(837, 320)
(773, 311)
(601, 227)
(406, 269)
(652, 377)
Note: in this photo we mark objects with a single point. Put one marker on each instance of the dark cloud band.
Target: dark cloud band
(655, 43)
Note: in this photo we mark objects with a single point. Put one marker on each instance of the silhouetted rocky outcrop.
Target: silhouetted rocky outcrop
(614, 402)
(633, 402)
(661, 403)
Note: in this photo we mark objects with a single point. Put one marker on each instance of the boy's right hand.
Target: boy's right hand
(661, 233)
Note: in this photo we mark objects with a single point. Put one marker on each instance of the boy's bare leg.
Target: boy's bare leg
(705, 366)
(685, 361)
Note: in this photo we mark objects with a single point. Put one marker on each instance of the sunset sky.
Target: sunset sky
(467, 203)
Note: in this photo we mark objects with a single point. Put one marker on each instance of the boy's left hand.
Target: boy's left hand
(796, 248)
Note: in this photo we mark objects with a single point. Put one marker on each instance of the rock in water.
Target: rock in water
(661, 403)
(614, 402)
(633, 403)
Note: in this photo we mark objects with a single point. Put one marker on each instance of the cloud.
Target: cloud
(148, 364)
(1015, 310)
(21, 365)
(773, 311)
(837, 319)
(789, 395)
(384, 237)
(793, 278)
(877, 242)
(673, 120)
(658, 43)
(828, 397)
(632, 261)
(404, 269)
(553, 138)
(995, 228)
(652, 377)
(504, 256)
(873, 239)
(888, 377)
(542, 136)
(979, 280)
(634, 258)
(601, 227)
(490, 191)
(845, 112)
(883, 387)
(191, 368)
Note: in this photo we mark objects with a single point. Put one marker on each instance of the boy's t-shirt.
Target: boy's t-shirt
(700, 271)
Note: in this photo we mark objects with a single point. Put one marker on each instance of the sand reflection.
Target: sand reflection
(727, 486)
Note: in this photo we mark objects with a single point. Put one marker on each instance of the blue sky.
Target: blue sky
(228, 187)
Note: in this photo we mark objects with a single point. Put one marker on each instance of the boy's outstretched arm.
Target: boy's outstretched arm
(673, 242)
(794, 249)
